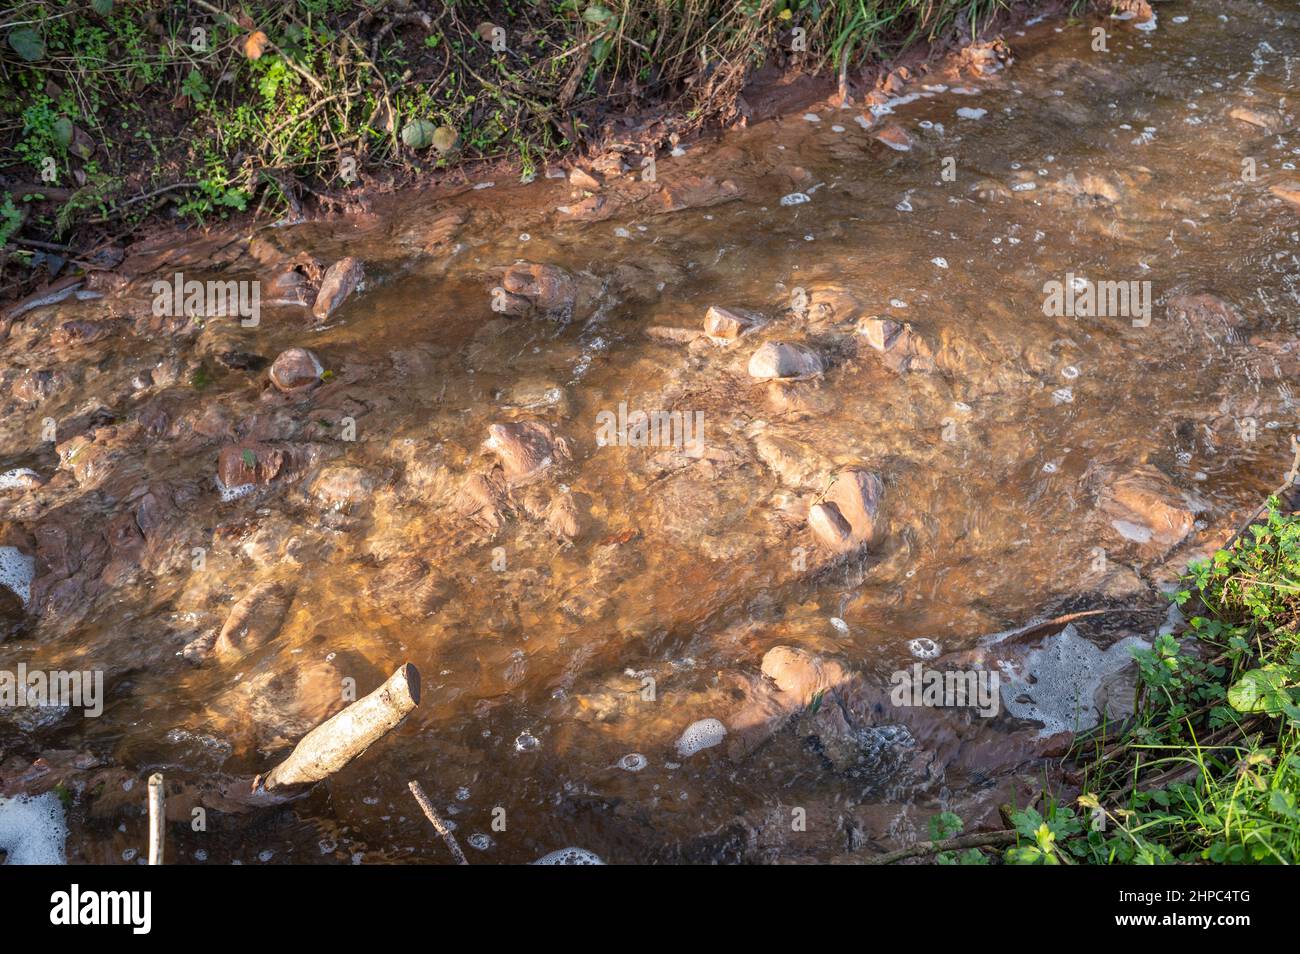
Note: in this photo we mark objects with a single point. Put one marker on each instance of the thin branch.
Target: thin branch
(438, 824)
(987, 840)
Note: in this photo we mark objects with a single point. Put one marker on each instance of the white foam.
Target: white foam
(795, 198)
(17, 479)
(570, 856)
(1058, 682)
(234, 493)
(923, 648)
(33, 830)
(633, 762)
(701, 735)
(972, 112)
(17, 570)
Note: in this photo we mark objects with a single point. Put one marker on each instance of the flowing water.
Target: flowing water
(548, 656)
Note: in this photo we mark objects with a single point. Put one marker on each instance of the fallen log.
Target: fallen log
(338, 740)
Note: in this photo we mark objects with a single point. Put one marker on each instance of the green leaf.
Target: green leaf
(64, 131)
(418, 134)
(945, 825)
(1024, 855)
(250, 459)
(599, 16)
(1283, 803)
(1026, 822)
(102, 7)
(27, 43)
(1260, 690)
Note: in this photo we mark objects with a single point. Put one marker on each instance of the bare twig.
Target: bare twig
(986, 840)
(439, 825)
(157, 818)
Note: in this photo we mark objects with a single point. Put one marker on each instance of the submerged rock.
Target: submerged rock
(249, 464)
(1287, 191)
(484, 499)
(563, 518)
(277, 707)
(779, 359)
(295, 370)
(580, 178)
(796, 462)
(694, 192)
(901, 348)
(340, 486)
(845, 518)
(724, 325)
(525, 448)
(339, 281)
(1262, 117)
(1144, 507)
(830, 527)
(548, 288)
(895, 137)
(254, 621)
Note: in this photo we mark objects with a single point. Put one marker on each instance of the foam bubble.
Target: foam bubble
(699, 736)
(33, 830)
(234, 493)
(972, 112)
(633, 762)
(570, 856)
(923, 648)
(795, 198)
(17, 570)
(1059, 681)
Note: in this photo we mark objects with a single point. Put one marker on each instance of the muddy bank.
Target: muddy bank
(288, 113)
(686, 469)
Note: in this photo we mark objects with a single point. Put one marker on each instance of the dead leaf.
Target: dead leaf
(254, 45)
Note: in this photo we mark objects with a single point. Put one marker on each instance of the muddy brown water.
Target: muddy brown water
(535, 650)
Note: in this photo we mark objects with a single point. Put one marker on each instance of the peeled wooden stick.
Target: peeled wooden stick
(157, 818)
(439, 825)
(337, 741)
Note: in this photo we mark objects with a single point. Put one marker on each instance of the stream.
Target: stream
(1027, 326)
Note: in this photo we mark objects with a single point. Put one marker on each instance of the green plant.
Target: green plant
(1210, 769)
